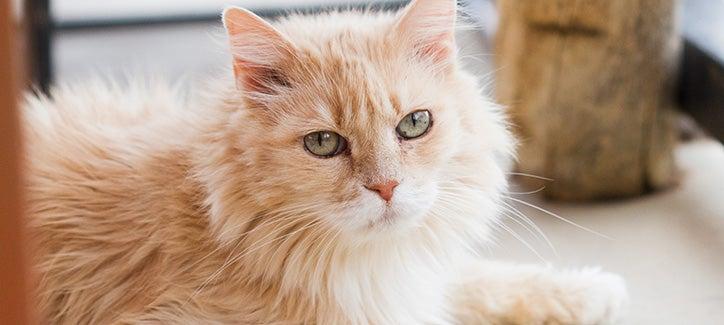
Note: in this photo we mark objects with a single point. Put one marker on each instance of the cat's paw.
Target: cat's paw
(582, 297)
(603, 296)
(587, 297)
(498, 293)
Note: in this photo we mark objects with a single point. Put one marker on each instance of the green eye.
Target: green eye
(324, 144)
(414, 125)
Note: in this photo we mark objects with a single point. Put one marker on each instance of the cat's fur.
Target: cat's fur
(150, 209)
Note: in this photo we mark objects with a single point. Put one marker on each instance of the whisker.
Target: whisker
(531, 176)
(559, 218)
(289, 212)
(528, 192)
(525, 243)
(329, 243)
(518, 222)
(532, 224)
(252, 248)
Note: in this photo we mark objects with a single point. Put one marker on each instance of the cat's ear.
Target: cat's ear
(258, 50)
(429, 27)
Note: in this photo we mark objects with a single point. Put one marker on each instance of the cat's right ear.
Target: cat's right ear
(258, 50)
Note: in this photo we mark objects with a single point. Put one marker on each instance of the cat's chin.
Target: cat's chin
(389, 217)
(394, 219)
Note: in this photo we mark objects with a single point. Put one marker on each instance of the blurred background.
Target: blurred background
(175, 39)
(619, 105)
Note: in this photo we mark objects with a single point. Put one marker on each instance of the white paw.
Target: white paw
(580, 297)
(594, 297)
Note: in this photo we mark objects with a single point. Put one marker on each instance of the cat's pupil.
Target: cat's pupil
(414, 125)
(324, 144)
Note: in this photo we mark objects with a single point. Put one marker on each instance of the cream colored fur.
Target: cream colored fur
(148, 208)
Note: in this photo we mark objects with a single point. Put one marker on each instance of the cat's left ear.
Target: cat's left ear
(429, 27)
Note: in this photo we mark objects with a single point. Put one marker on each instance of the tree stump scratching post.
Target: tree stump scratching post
(589, 84)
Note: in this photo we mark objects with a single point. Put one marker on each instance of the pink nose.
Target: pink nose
(384, 190)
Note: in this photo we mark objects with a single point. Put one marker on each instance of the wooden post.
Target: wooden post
(14, 293)
(589, 84)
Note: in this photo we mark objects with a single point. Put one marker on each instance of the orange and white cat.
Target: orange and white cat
(345, 175)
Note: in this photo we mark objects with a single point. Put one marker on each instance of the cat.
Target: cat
(344, 173)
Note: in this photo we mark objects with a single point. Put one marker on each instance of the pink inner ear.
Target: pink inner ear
(439, 48)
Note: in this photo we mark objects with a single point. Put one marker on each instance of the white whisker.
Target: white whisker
(525, 243)
(528, 192)
(560, 218)
(531, 176)
(530, 222)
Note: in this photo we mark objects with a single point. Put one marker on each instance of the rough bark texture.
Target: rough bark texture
(589, 85)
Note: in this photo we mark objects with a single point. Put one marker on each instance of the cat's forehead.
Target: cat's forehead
(349, 74)
(348, 91)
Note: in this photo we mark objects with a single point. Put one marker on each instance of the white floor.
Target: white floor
(669, 246)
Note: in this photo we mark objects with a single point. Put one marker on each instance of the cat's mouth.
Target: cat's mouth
(387, 218)
(393, 217)
(403, 212)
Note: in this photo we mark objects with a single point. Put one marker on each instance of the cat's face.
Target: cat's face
(366, 128)
(341, 150)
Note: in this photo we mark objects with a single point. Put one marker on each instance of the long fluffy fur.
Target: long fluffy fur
(151, 209)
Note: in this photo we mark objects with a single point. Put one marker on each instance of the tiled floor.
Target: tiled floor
(669, 246)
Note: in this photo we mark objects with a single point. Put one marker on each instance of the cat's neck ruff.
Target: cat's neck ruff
(389, 282)
(395, 279)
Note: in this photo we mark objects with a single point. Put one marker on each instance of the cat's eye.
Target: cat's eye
(415, 124)
(325, 144)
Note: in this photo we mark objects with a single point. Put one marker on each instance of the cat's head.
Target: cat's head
(362, 122)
